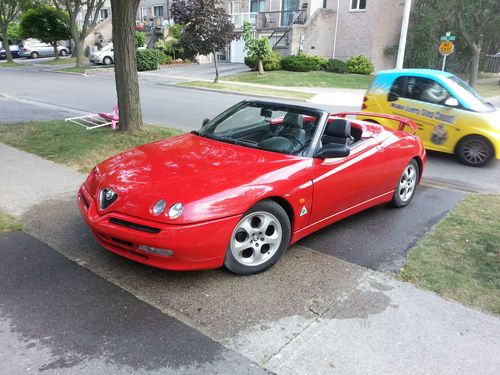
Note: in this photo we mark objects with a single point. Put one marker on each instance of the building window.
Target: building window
(104, 13)
(158, 11)
(257, 5)
(358, 4)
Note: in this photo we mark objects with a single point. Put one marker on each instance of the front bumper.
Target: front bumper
(195, 246)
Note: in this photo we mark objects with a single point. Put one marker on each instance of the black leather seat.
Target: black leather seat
(293, 129)
(337, 131)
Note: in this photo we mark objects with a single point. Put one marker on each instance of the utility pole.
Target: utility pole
(402, 38)
(336, 28)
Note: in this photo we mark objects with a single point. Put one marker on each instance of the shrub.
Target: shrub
(359, 65)
(300, 63)
(321, 61)
(148, 59)
(140, 39)
(273, 62)
(166, 59)
(335, 66)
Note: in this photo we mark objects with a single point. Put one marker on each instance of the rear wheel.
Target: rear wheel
(259, 239)
(34, 55)
(107, 60)
(474, 150)
(63, 52)
(407, 185)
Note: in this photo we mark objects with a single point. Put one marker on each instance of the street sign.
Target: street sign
(446, 48)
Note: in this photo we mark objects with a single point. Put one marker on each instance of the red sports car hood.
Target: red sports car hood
(211, 179)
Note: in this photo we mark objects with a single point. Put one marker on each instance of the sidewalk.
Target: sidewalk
(311, 313)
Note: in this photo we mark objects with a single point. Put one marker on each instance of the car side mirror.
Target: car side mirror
(451, 102)
(333, 150)
(205, 122)
(392, 97)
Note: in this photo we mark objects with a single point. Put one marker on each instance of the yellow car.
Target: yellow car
(451, 116)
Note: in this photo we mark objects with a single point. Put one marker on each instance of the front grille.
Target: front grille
(84, 200)
(128, 224)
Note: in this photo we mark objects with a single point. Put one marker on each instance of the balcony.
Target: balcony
(270, 20)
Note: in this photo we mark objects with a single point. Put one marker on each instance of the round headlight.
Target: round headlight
(175, 211)
(159, 207)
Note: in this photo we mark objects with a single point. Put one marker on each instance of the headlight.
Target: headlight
(175, 211)
(159, 207)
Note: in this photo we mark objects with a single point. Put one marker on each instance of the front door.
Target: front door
(422, 100)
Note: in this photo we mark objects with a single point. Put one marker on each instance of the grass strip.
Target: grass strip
(74, 146)
(460, 257)
(10, 65)
(304, 79)
(9, 224)
(249, 90)
(60, 61)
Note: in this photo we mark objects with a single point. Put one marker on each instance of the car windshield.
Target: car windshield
(107, 47)
(266, 126)
(471, 97)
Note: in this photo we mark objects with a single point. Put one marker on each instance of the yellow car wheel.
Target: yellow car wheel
(474, 150)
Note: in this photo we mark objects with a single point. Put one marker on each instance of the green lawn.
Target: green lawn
(460, 257)
(73, 145)
(61, 61)
(9, 224)
(488, 89)
(74, 69)
(307, 79)
(249, 90)
(10, 64)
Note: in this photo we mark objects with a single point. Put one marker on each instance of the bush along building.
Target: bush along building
(328, 28)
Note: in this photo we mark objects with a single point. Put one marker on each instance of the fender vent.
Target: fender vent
(128, 224)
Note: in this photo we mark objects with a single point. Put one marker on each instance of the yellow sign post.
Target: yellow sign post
(446, 47)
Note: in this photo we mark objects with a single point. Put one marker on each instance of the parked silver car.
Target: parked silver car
(105, 56)
(34, 49)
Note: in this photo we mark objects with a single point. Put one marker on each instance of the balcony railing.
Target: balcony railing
(270, 20)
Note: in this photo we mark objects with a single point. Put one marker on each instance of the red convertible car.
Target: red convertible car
(252, 181)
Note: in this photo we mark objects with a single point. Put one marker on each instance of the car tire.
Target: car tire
(407, 185)
(107, 60)
(63, 53)
(259, 239)
(34, 55)
(474, 150)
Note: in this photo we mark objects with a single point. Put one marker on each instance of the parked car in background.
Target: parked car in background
(14, 50)
(34, 49)
(104, 56)
(451, 116)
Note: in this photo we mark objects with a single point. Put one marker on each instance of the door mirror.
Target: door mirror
(392, 97)
(205, 122)
(451, 102)
(333, 150)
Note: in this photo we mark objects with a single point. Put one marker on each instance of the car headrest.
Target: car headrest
(338, 127)
(293, 120)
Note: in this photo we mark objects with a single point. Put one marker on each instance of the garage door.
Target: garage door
(238, 52)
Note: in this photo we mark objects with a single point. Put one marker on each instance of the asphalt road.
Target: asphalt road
(162, 103)
(56, 316)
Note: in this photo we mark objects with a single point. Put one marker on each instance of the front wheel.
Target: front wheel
(259, 239)
(34, 55)
(474, 150)
(107, 60)
(63, 53)
(407, 185)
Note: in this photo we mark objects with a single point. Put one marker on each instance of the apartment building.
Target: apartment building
(330, 28)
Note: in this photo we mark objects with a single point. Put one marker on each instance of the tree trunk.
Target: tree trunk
(56, 52)
(5, 41)
(476, 54)
(216, 67)
(127, 83)
(261, 67)
(78, 52)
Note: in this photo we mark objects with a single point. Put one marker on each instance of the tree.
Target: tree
(47, 24)
(259, 48)
(127, 82)
(207, 27)
(473, 19)
(9, 11)
(90, 10)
